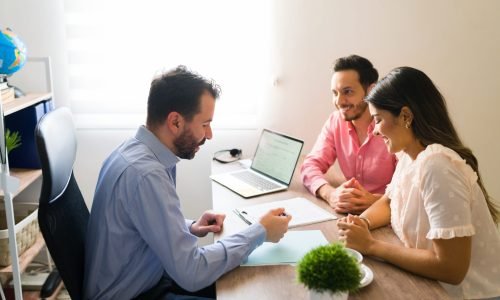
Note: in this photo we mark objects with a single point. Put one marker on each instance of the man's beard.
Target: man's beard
(357, 111)
(186, 145)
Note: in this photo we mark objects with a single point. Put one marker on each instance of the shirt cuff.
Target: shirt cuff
(316, 185)
(189, 222)
(256, 234)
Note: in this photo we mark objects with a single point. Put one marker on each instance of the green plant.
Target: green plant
(329, 269)
(12, 140)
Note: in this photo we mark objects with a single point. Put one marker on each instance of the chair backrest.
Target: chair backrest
(62, 213)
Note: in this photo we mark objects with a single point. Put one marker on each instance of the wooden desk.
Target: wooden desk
(279, 282)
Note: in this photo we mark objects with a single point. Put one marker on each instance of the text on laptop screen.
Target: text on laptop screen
(277, 156)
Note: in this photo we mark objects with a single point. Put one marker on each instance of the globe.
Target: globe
(12, 52)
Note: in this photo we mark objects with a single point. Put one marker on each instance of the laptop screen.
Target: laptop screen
(277, 155)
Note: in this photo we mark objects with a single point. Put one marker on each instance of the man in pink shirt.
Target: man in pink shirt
(347, 136)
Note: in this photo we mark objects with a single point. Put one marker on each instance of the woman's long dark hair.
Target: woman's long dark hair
(431, 124)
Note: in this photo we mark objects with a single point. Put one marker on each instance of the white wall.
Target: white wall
(456, 42)
(40, 25)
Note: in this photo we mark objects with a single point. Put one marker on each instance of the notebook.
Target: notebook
(289, 250)
(271, 170)
(303, 212)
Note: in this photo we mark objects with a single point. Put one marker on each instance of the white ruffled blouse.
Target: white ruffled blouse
(437, 196)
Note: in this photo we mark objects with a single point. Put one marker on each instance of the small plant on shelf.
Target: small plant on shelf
(12, 140)
(329, 270)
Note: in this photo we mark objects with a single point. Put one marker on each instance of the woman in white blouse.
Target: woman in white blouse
(436, 201)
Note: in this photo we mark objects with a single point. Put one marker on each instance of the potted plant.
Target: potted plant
(12, 140)
(329, 272)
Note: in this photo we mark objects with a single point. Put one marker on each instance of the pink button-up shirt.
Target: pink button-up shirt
(371, 163)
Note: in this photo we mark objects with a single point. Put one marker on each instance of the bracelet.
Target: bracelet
(367, 221)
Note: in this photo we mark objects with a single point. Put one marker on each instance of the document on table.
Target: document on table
(303, 212)
(289, 250)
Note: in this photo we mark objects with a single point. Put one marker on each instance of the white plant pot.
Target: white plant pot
(313, 295)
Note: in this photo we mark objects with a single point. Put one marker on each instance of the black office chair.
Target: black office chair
(62, 213)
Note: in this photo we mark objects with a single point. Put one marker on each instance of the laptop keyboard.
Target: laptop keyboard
(256, 181)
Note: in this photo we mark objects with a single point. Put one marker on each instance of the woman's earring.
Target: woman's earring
(407, 125)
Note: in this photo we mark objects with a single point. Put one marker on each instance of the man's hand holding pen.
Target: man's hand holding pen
(276, 224)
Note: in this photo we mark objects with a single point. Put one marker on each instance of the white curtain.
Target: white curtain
(115, 48)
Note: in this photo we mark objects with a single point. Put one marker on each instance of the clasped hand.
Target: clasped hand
(208, 222)
(350, 197)
(355, 234)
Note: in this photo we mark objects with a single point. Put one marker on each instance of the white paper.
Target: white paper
(303, 211)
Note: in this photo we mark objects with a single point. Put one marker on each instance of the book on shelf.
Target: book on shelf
(7, 95)
(3, 85)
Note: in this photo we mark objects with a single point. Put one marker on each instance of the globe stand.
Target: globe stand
(17, 91)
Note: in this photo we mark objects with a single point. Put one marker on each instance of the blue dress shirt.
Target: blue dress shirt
(137, 232)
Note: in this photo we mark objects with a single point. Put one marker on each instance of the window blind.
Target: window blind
(115, 49)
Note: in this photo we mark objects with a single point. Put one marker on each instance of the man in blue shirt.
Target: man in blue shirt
(138, 243)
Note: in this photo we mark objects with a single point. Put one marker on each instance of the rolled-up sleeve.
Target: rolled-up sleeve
(319, 160)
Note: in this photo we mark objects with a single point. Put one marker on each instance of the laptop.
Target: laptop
(271, 170)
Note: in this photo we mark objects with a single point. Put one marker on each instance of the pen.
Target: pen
(283, 214)
(242, 216)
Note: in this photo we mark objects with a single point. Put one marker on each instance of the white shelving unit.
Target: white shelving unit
(12, 183)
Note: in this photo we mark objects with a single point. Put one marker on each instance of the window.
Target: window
(115, 48)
